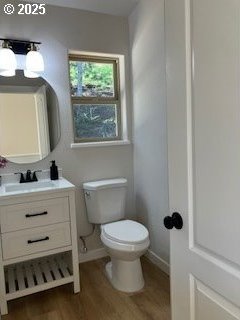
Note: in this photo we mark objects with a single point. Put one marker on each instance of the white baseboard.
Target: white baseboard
(162, 264)
(92, 255)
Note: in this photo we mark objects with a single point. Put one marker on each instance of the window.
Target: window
(95, 95)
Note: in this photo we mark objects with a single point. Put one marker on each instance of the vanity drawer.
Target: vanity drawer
(26, 242)
(34, 214)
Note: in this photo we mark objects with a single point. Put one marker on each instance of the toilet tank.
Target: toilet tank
(105, 200)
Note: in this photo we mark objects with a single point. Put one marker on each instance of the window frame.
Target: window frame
(116, 100)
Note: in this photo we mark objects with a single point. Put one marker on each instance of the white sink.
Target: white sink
(11, 189)
(29, 186)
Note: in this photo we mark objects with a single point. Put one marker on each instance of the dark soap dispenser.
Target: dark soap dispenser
(53, 171)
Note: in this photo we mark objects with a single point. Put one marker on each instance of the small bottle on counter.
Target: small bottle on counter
(53, 171)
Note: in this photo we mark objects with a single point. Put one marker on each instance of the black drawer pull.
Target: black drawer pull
(39, 240)
(36, 214)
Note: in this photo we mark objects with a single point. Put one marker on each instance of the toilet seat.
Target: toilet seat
(126, 232)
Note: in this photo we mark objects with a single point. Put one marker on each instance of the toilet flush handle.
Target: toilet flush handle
(87, 194)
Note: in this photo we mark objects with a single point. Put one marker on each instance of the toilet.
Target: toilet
(125, 240)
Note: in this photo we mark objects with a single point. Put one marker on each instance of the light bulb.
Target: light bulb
(8, 73)
(7, 59)
(34, 62)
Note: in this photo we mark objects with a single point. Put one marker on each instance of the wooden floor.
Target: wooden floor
(97, 300)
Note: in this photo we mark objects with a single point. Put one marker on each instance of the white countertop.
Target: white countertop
(56, 186)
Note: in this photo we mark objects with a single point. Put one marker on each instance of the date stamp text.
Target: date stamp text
(25, 9)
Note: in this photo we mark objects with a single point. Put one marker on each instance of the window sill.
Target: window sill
(100, 144)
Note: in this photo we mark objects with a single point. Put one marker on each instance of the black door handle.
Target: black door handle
(175, 221)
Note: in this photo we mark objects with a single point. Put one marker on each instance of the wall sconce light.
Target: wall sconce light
(8, 63)
(34, 60)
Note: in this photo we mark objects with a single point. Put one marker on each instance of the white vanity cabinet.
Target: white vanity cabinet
(38, 241)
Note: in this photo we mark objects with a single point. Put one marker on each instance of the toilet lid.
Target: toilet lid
(126, 231)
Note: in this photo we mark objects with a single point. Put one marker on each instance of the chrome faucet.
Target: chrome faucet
(29, 177)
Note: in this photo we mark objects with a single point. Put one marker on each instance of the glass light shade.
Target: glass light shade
(34, 62)
(30, 74)
(7, 59)
(8, 73)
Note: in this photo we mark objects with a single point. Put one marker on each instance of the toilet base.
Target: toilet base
(125, 276)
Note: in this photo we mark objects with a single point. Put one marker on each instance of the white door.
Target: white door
(203, 75)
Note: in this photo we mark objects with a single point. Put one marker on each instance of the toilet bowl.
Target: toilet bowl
(125, 241)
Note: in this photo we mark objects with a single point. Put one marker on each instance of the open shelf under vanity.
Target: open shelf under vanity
(37, 275)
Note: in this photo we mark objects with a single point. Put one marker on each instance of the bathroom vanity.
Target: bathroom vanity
(38, 238)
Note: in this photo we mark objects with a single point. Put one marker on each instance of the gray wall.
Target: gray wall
(150, 133)
(59, 30)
